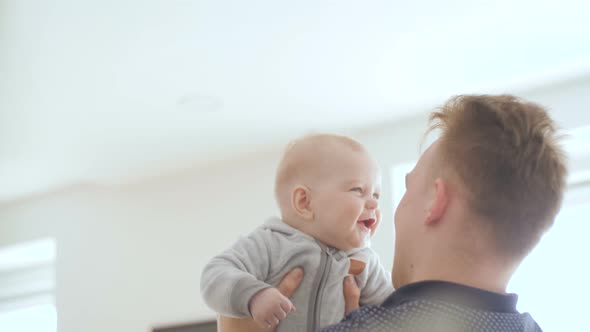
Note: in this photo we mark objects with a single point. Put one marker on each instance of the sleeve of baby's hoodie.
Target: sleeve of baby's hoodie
(230, 279)
(378, 286)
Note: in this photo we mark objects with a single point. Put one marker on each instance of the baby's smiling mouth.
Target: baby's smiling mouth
(368, 223)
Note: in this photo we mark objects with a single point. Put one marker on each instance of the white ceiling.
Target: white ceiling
(103, 90)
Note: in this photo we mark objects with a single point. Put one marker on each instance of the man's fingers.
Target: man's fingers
(352, 295)
(291, 282)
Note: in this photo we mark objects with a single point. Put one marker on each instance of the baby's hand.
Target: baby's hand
(269, 306)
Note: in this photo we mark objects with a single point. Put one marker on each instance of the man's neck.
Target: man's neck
(491, 278)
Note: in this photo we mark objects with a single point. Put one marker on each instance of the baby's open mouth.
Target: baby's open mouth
(367, 222)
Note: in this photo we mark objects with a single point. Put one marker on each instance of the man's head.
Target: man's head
(483, 194)
(328, 187)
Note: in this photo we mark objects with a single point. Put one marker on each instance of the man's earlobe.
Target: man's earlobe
(439, 204)
(301, 202)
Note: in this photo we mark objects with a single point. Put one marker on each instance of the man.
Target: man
(477, 202)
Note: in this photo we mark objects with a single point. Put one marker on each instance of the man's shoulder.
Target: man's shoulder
(374, 318)
(427, 315)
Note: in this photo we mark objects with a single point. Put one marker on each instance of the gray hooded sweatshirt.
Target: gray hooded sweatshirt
(261, 259)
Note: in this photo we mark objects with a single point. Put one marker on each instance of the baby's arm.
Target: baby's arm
(230, 279)
(378, 284)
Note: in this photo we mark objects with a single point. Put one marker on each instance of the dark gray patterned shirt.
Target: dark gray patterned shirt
(440, 306)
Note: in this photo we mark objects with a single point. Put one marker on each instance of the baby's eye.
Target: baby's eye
(376, 196)
(357, 189)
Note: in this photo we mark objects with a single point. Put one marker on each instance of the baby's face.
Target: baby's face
(345, 201)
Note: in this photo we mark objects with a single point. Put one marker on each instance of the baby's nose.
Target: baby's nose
(372, 204)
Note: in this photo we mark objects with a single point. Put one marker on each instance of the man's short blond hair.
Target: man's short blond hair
(505, 153)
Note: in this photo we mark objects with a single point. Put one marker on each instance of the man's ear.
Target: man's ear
(301, 202)
(439, 203)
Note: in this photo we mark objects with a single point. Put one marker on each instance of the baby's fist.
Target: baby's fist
(268, 307)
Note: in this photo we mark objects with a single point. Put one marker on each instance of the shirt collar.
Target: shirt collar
(460, 295)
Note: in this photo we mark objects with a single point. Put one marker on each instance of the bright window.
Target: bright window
(552, 282)
(40, 318)
(27, 287)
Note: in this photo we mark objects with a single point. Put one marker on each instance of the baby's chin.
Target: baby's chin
(361, 243)
(366, 242)
(356, 241)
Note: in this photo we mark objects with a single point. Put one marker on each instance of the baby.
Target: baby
(327, 188)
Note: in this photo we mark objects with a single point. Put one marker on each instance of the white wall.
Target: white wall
(130, 257)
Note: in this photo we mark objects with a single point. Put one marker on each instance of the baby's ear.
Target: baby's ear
(301, 202)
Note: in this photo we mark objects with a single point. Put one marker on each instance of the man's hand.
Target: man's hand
(269, 307)
(287, 287)
(352, 295)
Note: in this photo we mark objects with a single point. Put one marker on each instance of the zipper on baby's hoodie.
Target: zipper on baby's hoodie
(318, 285)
